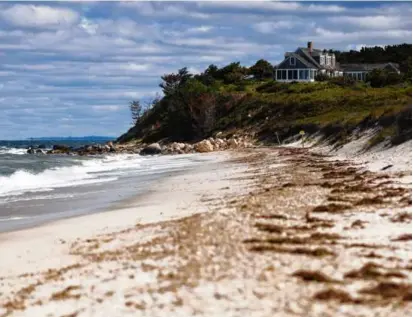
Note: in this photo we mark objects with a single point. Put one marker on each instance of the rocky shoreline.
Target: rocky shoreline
(207, 145)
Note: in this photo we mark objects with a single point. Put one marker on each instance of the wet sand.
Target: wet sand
(270, 232)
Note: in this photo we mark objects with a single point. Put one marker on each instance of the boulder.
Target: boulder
(188, 148)
(30, 150)
(39, 151)
(61, 148)
(204, 146)
(220, 142)
(171, 146)
(233, 143)
(175, 146)
(151, 149)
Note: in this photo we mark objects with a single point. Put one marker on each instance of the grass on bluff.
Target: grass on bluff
(275, 110)
(277, 106)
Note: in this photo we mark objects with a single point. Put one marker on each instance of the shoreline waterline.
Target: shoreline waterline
(38, 208)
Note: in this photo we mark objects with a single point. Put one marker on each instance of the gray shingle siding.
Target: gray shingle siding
(299, 63)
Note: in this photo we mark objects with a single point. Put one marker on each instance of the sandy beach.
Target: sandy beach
(285, 231)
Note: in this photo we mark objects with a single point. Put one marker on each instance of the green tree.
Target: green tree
(232, 73)
(171, 82)
(136, 110)
(209, 76)
(377, 54)
(212, 71)
(262, 69)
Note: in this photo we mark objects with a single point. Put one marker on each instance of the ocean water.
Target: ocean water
(37, 188)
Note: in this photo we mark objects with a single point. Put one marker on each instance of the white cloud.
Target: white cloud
(326, 36)
(200, 29)
(164, 9)
(207, 58)
(37, 67)
(265, 5)
(135, 67)
(195, 70)
(121, 27)
(39, 16)
(106, 108)
(88, 26)
(325, 8)
(192, 41)
(273, 6)
(269, 27)
(380, 22)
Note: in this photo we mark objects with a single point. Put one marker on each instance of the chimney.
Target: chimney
(310, 46)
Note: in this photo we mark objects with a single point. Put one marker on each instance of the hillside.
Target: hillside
(231, 101)
(286, 109)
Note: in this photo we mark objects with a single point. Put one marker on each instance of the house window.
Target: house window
(328, 60)
(313, 74)
(292, 61)
(302, 74)
(322, 60)
(290, 74)
(284, 74)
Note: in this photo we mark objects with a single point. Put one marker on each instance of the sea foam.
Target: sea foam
(98, 170)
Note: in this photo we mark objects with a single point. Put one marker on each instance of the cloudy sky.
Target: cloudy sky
(71, 68)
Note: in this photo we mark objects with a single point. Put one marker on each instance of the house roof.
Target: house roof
(368, 67)
(308, 56)
(314, 51)
(303, 60)
(298, 57)
(309, 59)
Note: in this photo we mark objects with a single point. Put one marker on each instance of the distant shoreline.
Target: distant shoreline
(72, 138)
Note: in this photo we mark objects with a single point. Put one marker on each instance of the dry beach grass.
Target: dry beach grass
(289, 233)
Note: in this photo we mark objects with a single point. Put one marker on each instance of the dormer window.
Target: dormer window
(292, 61)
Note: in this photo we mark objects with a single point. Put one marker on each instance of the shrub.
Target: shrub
(381, 78)
(321, 77)
(343, 81)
